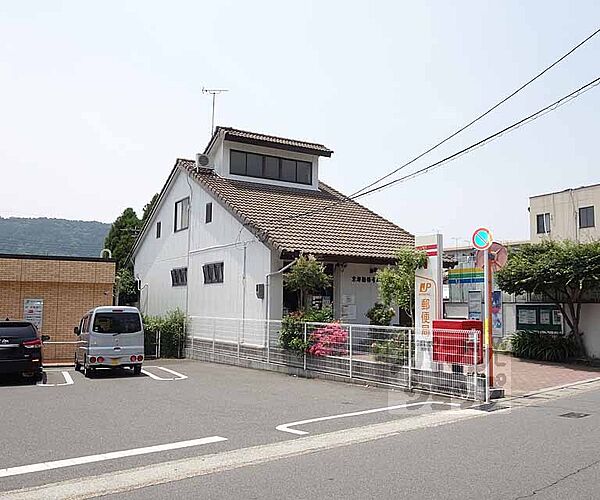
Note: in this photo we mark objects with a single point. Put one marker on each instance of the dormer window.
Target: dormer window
(270, 167)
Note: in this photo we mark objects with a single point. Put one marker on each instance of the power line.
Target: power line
(538, 114)
(475, 120)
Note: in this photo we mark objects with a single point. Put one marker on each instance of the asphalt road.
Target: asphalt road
(527, 452)
(121, 412)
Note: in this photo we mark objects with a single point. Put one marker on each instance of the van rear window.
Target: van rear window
(108, 322)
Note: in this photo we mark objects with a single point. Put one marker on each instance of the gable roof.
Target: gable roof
(270, 141)
(322, 222)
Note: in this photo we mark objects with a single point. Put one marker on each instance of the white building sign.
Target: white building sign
(33, 310)
(428, 299)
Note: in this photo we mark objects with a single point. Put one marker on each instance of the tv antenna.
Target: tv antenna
(214, 93)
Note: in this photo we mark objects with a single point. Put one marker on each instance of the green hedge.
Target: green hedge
(172, 334)
(542, 346)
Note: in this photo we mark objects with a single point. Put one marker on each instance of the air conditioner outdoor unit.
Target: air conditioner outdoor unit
(202, 161)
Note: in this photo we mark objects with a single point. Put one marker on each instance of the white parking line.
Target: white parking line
(69, 462)
(286, 427)
(68, 381)
(178, 376)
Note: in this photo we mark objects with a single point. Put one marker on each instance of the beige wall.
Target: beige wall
(69, 288)
(564, 208)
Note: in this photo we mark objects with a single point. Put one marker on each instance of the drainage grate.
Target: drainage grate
(489, 407)
(574, 414)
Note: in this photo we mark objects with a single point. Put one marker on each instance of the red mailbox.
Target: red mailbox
(453, 341)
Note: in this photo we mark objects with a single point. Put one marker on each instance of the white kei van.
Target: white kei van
(110, 337)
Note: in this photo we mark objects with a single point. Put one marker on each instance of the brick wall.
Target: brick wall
(69, 288)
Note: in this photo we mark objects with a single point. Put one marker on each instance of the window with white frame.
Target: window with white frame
(213, 273)
(270, 167)
(543, 223)
(158, 229)
(179, 276)
(586, 217)
(182, 214)
(209, 213)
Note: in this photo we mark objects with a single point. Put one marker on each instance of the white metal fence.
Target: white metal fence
(442, 361)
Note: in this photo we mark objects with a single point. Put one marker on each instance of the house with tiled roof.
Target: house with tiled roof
(227, 224)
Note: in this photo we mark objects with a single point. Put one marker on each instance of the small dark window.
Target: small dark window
(303, 172)
(586, 217)
(288, 170)
(271, 167)
(208, 217)
(543, 223)
(179, 276)
(182, 214)
(238, 163)
(213, 273)
(254, 165)
(158, 229)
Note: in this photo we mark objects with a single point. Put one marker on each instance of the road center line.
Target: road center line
(286, 427)
(69, 462)
(178, 376)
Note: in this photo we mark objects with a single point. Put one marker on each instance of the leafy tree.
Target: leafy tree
(148, 208)
(562, 272)
(126, 285)
(121, 236)
(307, 276)
(397, 282)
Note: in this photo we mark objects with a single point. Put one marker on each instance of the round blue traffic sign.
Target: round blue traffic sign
(482, 238)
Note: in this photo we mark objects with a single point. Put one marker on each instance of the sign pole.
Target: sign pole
(488, 316)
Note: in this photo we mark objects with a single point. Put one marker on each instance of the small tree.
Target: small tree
(127, 292)
(562, 272)
(307, 276)
(121, 237)
(397, 282)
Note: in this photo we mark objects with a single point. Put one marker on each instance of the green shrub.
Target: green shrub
(172, 333)
(380, 314)
(393, 350)
(543, 346)
(291, 335)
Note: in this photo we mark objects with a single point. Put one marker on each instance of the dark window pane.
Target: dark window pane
(288, 170)
(543, 223)
(237, 163)
(271, 167)
(105, 322)
(158, 229)
(304, 172)
(254, 165)
(586, 217)
(208, 213)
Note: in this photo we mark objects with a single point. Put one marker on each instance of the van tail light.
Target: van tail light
(32, 344)
(93, 359)
(132, 358)
(100, 359)
(140, 358)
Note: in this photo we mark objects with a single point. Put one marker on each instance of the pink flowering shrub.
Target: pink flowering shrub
(329, 340)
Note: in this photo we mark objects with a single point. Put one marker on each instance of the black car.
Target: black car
(21, 349)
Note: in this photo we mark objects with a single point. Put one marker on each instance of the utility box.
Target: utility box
(454, 339)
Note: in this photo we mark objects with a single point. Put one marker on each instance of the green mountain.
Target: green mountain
(43, 236)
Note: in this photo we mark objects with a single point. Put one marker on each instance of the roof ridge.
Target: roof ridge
(233, 129)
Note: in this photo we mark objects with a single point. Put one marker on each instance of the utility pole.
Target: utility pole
(214, 93)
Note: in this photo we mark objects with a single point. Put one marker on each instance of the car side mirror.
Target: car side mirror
(76, 330)
(45, 338)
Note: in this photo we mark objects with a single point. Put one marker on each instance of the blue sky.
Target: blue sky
(99, 98)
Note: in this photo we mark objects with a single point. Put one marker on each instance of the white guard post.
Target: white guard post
(428, 299)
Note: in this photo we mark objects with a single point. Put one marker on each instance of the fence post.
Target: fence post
(186, 334)
(305, 328)
(409, 332)
(213, 339)
(268, 340)
(350, 360)
(240, 325)
(475, 334)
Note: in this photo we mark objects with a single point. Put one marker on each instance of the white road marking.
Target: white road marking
(123, 481)
(69, 462)
(178, 376)
(286, 427)
(68, 381)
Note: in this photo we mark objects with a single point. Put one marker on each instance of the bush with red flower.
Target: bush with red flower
(329, 340)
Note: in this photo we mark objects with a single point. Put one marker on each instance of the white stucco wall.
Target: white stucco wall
(365, 294)
(156, 257)
(222, 240)
(590, 325)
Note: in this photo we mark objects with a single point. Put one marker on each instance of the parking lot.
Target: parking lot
(69, 426)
